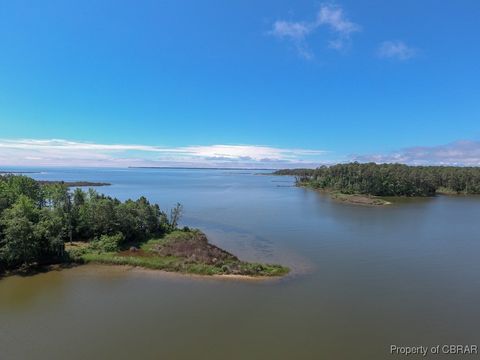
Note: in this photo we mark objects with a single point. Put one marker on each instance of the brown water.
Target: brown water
(364, 278)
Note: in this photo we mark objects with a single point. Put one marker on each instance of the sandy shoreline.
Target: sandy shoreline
(163, 273)
(353, 199)
(102, 269)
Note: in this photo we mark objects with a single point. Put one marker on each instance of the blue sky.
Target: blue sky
(240, 83)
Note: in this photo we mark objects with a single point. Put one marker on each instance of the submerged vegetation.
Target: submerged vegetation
(389, 179)
(47, 223)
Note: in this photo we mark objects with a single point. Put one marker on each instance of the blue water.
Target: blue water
(363, 278)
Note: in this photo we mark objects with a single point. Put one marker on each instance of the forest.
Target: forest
(36, 220)
(389, 179)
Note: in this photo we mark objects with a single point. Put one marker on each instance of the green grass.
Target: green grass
(357, 199)
(174, 264)
(159, 263)
(360, 199)
(448, 191)
(148, 258)
(256, 269)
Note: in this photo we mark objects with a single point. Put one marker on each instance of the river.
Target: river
(363, 278)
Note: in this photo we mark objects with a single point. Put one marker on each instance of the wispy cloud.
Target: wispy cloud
(54, 152)
(334, 17)
(396, 50)
(330, 16)
(462, 153)
(295, 32)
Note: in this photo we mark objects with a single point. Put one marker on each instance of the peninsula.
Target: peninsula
(46, 223)
(371, 183)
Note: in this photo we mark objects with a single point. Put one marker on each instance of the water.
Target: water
(363, 278)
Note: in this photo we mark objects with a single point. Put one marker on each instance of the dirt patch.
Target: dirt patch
(195, 247)
(136, 253)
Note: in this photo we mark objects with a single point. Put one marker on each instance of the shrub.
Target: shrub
(108, 243)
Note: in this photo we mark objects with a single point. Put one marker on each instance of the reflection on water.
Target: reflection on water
(365, 278)
(20, 293)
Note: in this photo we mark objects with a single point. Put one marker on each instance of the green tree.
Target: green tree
(175, 215)
(14, 186)
(36, 221)
(20, 245)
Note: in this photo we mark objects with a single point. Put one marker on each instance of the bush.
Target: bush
(108, 243)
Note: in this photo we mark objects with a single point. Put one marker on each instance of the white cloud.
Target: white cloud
(396, 50)
(331, 16)
(293, 30)
(461, 153)
(334, 17)
(296, 32)
(55, 152)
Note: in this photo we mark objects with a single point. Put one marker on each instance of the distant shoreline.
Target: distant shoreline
(195, 168)
(73, 183)
(4, 172)
(59, 182)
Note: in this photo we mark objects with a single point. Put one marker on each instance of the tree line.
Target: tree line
(389, 179)
(37, 220)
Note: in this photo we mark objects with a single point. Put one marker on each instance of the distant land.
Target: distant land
(197, 168)
(53, 182)
(73, 183)
(18, 172)
(368, 183)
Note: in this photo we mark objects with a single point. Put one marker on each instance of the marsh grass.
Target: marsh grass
(148, 256)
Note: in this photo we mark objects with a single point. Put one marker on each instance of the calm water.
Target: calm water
(363, 278)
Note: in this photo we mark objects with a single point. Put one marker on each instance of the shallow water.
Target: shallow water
(363, 278)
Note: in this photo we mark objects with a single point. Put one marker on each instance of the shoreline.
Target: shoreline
(378, 201)
(353, 199)
(139, 270)
(71, 184)
(359, 199)
(165, 273)
(180, 251)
